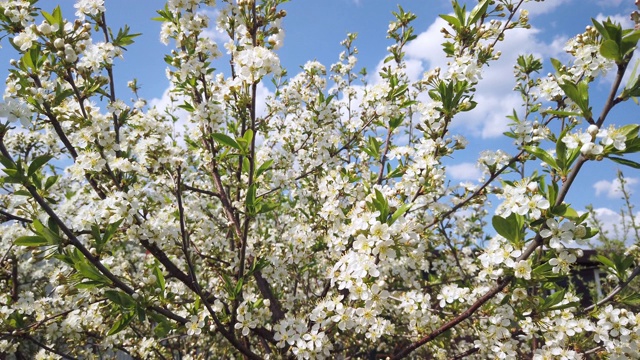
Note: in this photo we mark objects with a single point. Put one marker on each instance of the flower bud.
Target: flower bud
(58, 43)
(592, 130)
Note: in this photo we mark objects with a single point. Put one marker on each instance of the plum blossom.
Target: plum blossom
(562, 262)
(558, 233)
(89, 7)
(256, 62)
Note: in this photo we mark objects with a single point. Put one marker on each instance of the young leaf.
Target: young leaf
(399, 212)
(31, 241)
(159, 278)
(123, 320)
(610, 50)
(508, 228)
(542, 155)
(37, 163)
(264, 167)
(226, 140)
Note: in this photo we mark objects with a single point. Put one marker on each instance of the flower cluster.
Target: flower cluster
(523, 199)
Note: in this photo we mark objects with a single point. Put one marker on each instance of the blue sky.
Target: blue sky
(314, 30)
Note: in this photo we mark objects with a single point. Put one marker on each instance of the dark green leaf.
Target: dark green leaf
(120, 298)
(625, 162)
(7, 163)
(553, 299)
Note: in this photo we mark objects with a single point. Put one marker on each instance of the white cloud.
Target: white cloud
(537, 8)
(609, 3)
(623, 19)
(611, 189)
(464, 171)
(427, 46)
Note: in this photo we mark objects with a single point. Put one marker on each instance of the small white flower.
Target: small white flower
(522, 270)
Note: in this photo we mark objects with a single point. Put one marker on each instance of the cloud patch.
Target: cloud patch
(464, 171)
(611, 189)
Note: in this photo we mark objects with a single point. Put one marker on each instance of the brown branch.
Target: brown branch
(611, 98)
(49, 349)
(615, 291)
(9, 216)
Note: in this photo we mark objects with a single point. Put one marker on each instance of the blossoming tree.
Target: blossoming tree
(324, 228)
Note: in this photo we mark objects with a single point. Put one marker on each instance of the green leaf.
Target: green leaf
(507, 227)
(542, 155)
(625, 162)
(579, 94)
(245, 141)
(7, 163)
(159, 278)
(571, 213)
(453, 21)
(162, 329)
(561, 114)
(120, 298)
(605, 261)
(31, 241)
(90, 284)
(124, 38)
(478, 11)
(600, 28)
(51, 180)
(631, 300)
(27, 61)
(556, 64)
(250, 199)
(542, 269)
(248, 136)
(37, 163)
(51, 19)
(553, 299)
(610, 50)
(123, 320)
(564, 306)
(399, 212)
(89, 271)
(264, 167)
(111, 230)
(629, 42)
(226, 140)
(382, 205)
